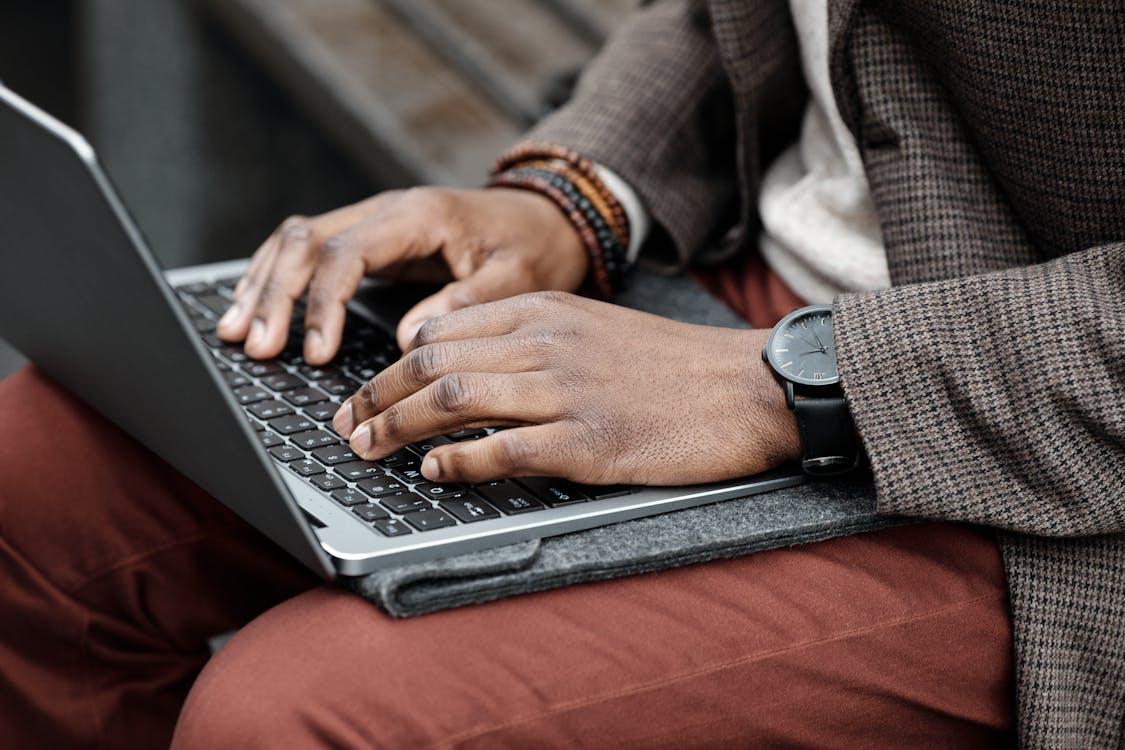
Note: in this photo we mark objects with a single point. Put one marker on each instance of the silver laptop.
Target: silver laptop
(83, 298)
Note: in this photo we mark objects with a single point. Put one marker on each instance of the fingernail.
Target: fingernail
(229, 316)
(430, 469)
(344, 421)
(361, 440)
(314, 343)
(257, 333)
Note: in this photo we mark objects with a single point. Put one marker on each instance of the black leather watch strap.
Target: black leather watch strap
(827, 433)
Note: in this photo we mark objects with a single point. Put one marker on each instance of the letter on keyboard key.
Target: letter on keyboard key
(313, 439)
(509, 497)
(349, 497)
(330, 455)
(267, 410)
(328, 482)
(305, 397)
(250, 394)
(431, 518)
(404, 502)
(291, 424)
(392, 527)
(554, 492)
(357, 470)
(306, 467)
(468, 508)
(286, 453)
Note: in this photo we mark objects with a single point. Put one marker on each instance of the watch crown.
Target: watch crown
(765, 357)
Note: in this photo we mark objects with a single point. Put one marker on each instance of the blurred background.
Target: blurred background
(219, 118)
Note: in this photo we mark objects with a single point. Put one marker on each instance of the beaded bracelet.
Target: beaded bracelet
(588, 190)
(598, 273)
(606, 252)
(530, 151)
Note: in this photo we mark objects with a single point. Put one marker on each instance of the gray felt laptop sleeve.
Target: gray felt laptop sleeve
(806, 513)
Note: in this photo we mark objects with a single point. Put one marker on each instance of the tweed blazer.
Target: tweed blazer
(988, 383)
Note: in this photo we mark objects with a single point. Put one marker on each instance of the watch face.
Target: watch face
(801, 347)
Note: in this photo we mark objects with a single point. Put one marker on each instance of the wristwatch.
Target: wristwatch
(802, 353)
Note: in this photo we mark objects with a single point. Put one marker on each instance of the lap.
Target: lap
(896, 636)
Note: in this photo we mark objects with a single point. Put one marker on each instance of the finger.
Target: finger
(383, 240)
(285, 283)
(539, 450)
(421, 367)
(499, 278)
(235, 323)
(452, 403)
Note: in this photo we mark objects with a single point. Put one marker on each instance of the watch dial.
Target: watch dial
(803, 349)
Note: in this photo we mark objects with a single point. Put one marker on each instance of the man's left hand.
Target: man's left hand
(593, 392)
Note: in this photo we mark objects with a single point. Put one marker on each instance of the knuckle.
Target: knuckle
(513, 452)
(423, 364)
(295, 228)
(430, 200)
(335, 246)
(454, 394)
(429, 333)
(392, 423)
(368, 396)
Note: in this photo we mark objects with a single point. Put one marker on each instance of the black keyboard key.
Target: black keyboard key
(270, 439)
(305, 397)
(371, 513)
(322, 412)
(317, 373)
(601, 492)
(339, 386)
(282, 381)
(214, 342)
(408, 474)
(554, 492)
(436, 491)
(250, 394)
(306, 467)
(216, 303)
(330, 455)
(235, 379)
(404, 503)
(422, 447)
(266, 410)
(261, 369)
(357, 470)
(313, 439)
(468, 508)
(195, 288)
(468, 434)
(380, 486)
(426, 520)
(286, 453)
(292, 424)
(392, 527)
(509, 497)
(399, 459)
(348, 497)
(255, 426)
(233, 353)
(328, 482)
(203, 325)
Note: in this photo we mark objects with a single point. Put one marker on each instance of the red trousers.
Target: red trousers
(115, 571)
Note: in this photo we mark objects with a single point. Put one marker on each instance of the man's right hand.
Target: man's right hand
(488, 244)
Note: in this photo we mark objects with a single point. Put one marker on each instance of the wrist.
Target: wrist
(763, 402)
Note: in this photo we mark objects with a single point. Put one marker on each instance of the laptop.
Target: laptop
(82, 297)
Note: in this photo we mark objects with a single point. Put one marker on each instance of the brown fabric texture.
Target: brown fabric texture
(988, 383)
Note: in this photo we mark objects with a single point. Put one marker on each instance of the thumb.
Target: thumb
(495, 280)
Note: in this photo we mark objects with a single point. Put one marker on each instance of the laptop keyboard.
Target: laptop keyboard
(290, 405)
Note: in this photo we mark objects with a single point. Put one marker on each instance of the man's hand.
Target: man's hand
(594, 392)
(492, 243)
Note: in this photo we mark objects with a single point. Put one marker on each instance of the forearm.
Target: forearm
(996, 399)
